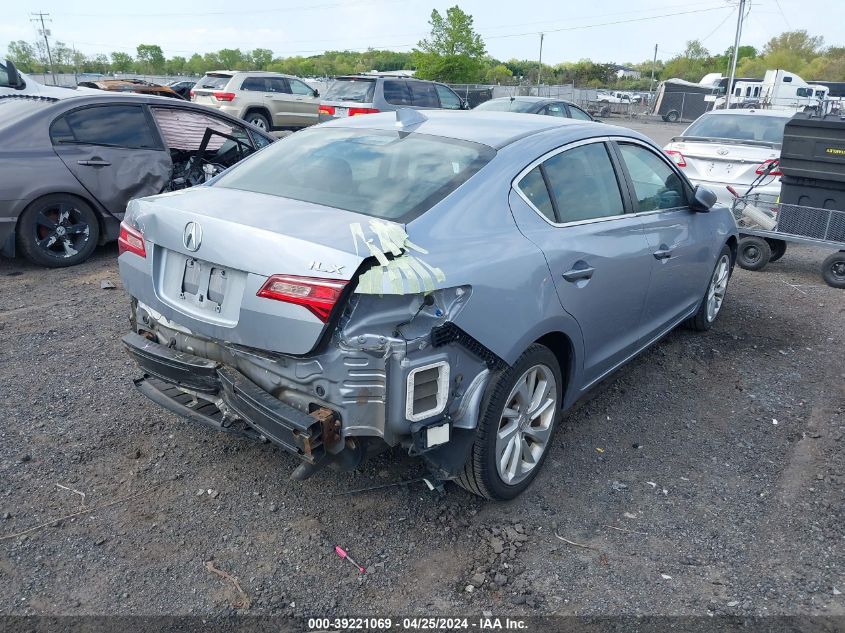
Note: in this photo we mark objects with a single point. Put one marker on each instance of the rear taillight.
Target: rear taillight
(357, 111)
(316, 294)
(130, 240)
(224, 96)
(770, 168)
(676, 156)
(191, 94)
(326, 109)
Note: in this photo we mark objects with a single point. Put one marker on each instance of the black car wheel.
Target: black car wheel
(58, 230)
(833, 270)
(753, 253)
(673, 116)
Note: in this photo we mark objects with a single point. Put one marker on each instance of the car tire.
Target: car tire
(506, 426)
(673, 116)
(778, 249)
(714, 297)
(258, 120)
(753, 253)
(833, 270)
(57, 231)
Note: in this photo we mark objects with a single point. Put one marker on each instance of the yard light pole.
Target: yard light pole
(653, 64)
(735, 55)
(540, 65)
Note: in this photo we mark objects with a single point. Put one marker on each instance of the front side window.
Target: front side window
(299, 88)
(555, 109)
(397, 92)
(384, 174)
(656, 185)
(448, 99)
(112, 126)
(424, 95)
(583, 184)
(578, 113)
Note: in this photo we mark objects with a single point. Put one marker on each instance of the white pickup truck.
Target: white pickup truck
(613, 97)
(14, 82)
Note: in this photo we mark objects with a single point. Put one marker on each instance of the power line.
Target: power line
(785, 19)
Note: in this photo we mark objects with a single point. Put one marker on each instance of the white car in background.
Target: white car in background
(732, 148)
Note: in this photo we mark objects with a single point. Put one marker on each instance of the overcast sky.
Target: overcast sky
(510, 28)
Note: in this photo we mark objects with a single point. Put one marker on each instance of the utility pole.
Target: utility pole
(540, 65)
(730, 89)
(653, 64)
(39, 17)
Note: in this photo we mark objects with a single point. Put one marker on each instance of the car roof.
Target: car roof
(495, 129)
(532, 99)
(743, 112)
(232, 73)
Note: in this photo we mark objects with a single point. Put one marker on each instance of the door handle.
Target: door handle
(662, 254)
(94, 162)
(577, 274)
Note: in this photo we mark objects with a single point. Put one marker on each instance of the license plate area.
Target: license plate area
(340, 111)
(201, 289)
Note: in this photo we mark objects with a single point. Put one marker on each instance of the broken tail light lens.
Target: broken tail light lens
(316, 294)
(357, 111)
(224, 96)
(769, 167)
(326, 109)
(677, 157)
(130, 240)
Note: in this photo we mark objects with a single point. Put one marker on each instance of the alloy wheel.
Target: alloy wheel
(718, 287)
(60, 230)
(526, 424)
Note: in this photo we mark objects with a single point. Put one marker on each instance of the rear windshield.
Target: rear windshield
(360, 90)
(739, 127)
(213, 82)
(506, 105)
(384, 174)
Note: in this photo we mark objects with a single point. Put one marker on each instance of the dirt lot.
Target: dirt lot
(706, 477)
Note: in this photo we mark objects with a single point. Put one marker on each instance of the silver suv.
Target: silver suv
(269, 101)
(368, 94)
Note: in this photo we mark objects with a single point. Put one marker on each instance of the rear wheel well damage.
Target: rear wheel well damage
(561, 346)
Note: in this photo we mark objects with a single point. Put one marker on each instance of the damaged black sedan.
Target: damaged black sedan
(69, 167)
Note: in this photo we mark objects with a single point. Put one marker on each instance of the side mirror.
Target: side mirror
(316, 92)
(703, 199)
(14, 77)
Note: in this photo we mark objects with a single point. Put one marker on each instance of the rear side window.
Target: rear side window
(385, 174)
(534, 188)
(583, 183)
(254, 83)
(214, 82)
(359, 90)
(396, 92)
(112, 126)
(4, 75)
(448, 99)
(277, 84)
(424, 95)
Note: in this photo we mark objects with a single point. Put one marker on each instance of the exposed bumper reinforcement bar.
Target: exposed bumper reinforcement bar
(210, 381)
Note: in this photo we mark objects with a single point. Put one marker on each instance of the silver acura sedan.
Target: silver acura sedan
(447, 282)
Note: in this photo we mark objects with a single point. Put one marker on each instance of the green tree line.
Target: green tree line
(454, 52)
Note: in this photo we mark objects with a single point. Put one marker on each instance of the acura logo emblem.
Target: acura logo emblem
(721, 152)
(192, 237)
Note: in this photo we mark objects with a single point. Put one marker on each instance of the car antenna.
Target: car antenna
(406, 117)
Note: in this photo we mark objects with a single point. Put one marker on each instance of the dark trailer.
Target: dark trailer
(679, 100)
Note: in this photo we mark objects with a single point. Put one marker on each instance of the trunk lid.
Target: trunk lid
(211, 249)
(723, 162)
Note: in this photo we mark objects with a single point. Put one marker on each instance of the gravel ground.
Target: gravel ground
(706, 477)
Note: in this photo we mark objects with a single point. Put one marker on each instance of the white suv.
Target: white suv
(268, 101)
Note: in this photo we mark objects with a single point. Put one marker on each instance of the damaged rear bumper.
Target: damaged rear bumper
(216, 395)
